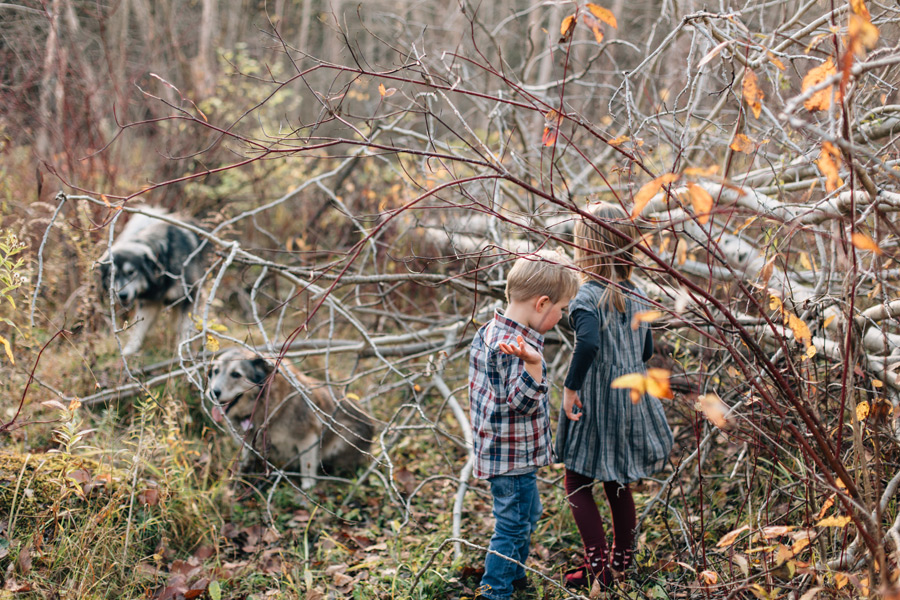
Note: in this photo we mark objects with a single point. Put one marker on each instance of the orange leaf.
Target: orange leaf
(701, 201)
(752, 94)
(566, 29)
(776, 530)
(863, 35)
(821, 100)
(647, 316)
(730, 537)
(549, 137)
(603, 14)
(594, 25)
(742, 143)
(800, 329)
(709, 577)
(648, 190)
(774, 60)
(829, 161)
(618, 141)
(859, 7)
(864, 242)
(713, 53)
(713, 409)
(658, 384)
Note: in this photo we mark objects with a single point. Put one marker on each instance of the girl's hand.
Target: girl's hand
(571, 401)
(524, 351)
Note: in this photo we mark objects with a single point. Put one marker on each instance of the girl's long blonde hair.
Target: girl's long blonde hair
(606, 254)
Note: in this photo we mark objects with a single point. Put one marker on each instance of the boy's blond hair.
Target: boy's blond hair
(543, 273)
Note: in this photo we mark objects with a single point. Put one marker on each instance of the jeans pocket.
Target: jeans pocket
(503, 486)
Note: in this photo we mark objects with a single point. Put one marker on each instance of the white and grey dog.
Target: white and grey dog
(282, 424)
(152, 264)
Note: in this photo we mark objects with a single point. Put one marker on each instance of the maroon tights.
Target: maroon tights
(590, 526)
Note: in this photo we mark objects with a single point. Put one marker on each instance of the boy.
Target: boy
(510, 413)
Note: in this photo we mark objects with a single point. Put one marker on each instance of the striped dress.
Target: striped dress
(615, 440)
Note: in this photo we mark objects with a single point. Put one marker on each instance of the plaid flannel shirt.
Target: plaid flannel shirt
(510, 411)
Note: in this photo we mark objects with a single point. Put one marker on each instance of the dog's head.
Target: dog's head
(235, 380)
(136, 270)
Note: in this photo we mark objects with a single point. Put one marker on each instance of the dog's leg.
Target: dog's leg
(185, 324)
(309, 461)
(144, 317)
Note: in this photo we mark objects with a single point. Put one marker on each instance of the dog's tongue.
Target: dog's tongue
(217, 414)
(245, 424)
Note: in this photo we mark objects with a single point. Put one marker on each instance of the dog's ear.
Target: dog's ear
(261, 369)
(103, 273)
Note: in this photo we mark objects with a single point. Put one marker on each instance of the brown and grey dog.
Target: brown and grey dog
(283, 424)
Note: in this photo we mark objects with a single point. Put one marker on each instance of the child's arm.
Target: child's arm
(587, 343)
(523, 395)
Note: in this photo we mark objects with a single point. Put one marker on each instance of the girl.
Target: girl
(602, 435)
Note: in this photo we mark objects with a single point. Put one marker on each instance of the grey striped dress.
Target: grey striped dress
(615, 440)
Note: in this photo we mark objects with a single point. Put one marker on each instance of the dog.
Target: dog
(283, 424)
(156, 264)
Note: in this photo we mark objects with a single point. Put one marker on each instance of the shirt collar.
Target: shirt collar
(530, 335)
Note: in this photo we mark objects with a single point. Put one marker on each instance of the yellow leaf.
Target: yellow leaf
(634, 381)
(566, 29)
(352, 396)
(212, 343)
(800, 329)
(709, 577)
(714, 409)
(648, 190)
(829, 163)
(701, 171)
(647, 316)
(8, 348)
(840, 580)
(74, 405)
(603, 14)
(742, 143)
(804, 260)
(730, 537)
(775, 303)
(821, 100)
(701, 202)
(618, 141)
(862, 411)
(752, 94)
(381, 89)
(834, 521)
(864, 242)
(799, 545)
(828, 321)
(810, 351)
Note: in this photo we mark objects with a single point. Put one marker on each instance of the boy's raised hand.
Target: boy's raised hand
(534, 361)
(524, 351)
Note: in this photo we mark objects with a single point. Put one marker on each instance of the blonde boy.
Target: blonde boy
(509, 409)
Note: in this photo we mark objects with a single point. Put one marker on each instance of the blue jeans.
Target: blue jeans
(517, 508)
